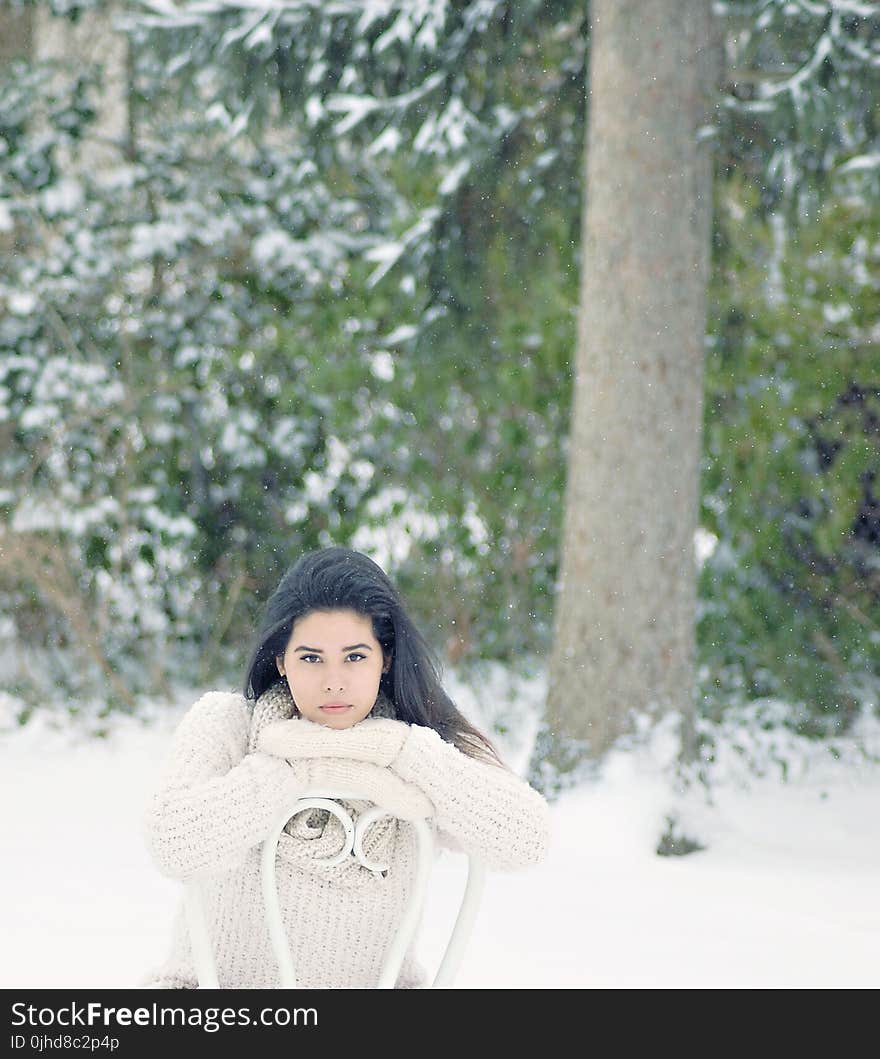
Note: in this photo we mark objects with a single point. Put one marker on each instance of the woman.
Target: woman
(342, 693)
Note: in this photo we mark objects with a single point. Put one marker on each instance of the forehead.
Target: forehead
(332, 628)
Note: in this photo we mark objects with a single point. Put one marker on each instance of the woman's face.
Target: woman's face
(333, 658)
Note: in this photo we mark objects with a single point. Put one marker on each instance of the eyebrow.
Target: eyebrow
(318, 651)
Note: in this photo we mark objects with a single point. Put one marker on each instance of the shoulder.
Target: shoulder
(426, 739)
(218, 711)
(229, 700)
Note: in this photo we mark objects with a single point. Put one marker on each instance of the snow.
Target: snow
(783, 895)
(382, 365)
(65, 197)
(396, 523)
(401, 334)
(163, 239)
(861, 162)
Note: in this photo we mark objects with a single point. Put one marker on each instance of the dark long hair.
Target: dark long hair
(341, 579)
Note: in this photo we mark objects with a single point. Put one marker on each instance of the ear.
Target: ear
(387, 664)
(279, 664)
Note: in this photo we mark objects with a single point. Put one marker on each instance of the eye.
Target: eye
(354, 654)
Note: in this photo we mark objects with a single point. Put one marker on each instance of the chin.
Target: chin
(331, 721)
(346, 720)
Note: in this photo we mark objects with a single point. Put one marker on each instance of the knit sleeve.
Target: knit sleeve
(486, 810)
(375, 739)
(215, 801)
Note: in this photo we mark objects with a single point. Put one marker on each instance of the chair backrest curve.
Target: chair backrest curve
(324, 798)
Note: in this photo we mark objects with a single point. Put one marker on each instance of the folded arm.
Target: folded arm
(375, 739)
(486, 810)
(479, 808)
(215, 801)
(353, 759)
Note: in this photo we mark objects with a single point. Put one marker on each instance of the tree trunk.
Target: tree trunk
(16, 33)
(626, 593)
(92, 38)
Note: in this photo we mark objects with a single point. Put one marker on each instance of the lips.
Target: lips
(333, 707)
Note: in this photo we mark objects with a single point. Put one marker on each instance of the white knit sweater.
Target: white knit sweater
(228, 777)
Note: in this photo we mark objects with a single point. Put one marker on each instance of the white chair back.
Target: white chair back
(200, 941)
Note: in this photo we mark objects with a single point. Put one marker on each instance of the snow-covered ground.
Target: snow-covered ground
(783, 895)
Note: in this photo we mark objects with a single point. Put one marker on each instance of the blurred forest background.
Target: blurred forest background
(276, 277)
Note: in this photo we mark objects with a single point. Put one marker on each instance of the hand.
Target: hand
(375, 739)
(371, 782)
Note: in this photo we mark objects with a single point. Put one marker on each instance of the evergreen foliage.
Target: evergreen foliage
(327, 293)
(791, 595)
